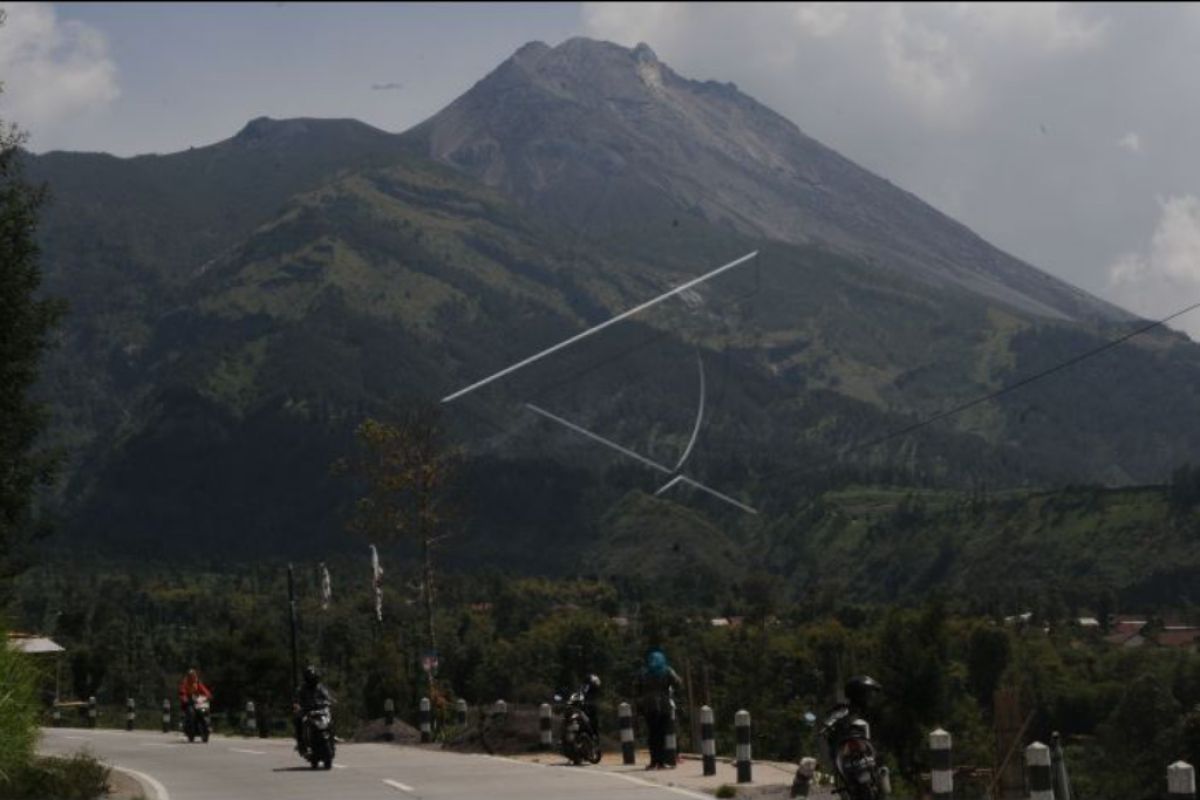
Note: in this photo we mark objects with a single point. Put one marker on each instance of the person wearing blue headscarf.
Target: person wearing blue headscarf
(657, 684)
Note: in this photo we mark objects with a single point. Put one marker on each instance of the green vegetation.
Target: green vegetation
(26, 321)
(18, 711)
(80, 777)
(132, 629)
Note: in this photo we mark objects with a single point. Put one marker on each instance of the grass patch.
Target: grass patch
(80, 777)
(18, 710)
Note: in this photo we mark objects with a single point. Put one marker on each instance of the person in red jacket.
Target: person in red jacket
(191, 685)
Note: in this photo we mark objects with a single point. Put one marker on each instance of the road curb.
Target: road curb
(150, 785)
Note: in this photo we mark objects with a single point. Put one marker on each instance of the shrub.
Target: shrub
(80, 777)
(18, 710)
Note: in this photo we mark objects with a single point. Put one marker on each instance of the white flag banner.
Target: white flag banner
(326, 589)
(377, 580)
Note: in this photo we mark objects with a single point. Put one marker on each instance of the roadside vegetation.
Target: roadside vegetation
(1125, 712)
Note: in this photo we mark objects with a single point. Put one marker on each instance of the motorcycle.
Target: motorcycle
(195, 721)
(580, 739)
(319, 745)
(858, 768)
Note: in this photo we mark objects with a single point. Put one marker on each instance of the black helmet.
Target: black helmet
(860, 689)
(311, 676)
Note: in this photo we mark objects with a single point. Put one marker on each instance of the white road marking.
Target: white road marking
(597, 328)
(159, 790)
(653, 785)
(340, 766)
(77, 738)
(156, 744)
(398, 785)
(251, 752)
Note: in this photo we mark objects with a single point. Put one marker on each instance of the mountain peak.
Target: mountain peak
(304, 131)
(606, 137)
(263, 129)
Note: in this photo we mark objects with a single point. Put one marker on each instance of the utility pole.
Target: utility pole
(292, 617)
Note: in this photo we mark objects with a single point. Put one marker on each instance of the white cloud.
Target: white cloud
(924, 64)
(1131, 142)
(821, 19)
(939, 62)
(53, 69)
(1051, 27)
(1158, 282)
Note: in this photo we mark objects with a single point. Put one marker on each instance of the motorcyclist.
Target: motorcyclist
(860, 692)
(189, 687)
(310, 694)
(590, 694)
(656, 687)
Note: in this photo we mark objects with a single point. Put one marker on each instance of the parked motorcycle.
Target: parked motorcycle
(196, 720)
(856, 764)
(580, 738)
(319, 745)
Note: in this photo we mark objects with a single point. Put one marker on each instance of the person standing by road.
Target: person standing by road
(657, 684)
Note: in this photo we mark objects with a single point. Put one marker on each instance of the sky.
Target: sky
(1066, 134)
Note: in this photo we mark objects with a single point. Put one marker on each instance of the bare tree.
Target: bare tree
(407, 468)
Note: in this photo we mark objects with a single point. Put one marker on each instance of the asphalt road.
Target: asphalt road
(269, 769)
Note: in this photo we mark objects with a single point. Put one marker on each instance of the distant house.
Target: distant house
(1019, 618)
(1088, 622)
(1181, 636)
(727, 622)
(1127, 632)
(31, 644)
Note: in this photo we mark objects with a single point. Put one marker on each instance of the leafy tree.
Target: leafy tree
(18, 712)
(25, 325)
(988, 652)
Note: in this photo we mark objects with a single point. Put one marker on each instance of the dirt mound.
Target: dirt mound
(377, 730)
(510, 734)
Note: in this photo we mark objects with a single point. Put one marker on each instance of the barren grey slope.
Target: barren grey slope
(607, 138)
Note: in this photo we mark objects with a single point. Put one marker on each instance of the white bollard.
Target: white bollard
(708, 744)
(500, 709)
(1037, 765)
(1181, 781)
(460, 711)
(130, 713)
(941, 765)
(741, 723)
(545, 720)
(249, 725)
(806, 770)
(166, 716)
(91, 711)
(625, 718)
(426, 726)
(670, 743)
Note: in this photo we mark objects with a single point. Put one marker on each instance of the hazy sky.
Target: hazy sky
(1066, 134)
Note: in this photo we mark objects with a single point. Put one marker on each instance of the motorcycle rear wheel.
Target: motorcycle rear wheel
(589, 746)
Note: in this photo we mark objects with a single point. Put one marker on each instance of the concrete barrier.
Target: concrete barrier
(941, 765)
(425, 721)
(1037, 765)
(1181, 781)
(625, 719)
(708, 743)
(545, 730)
(741, 724)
